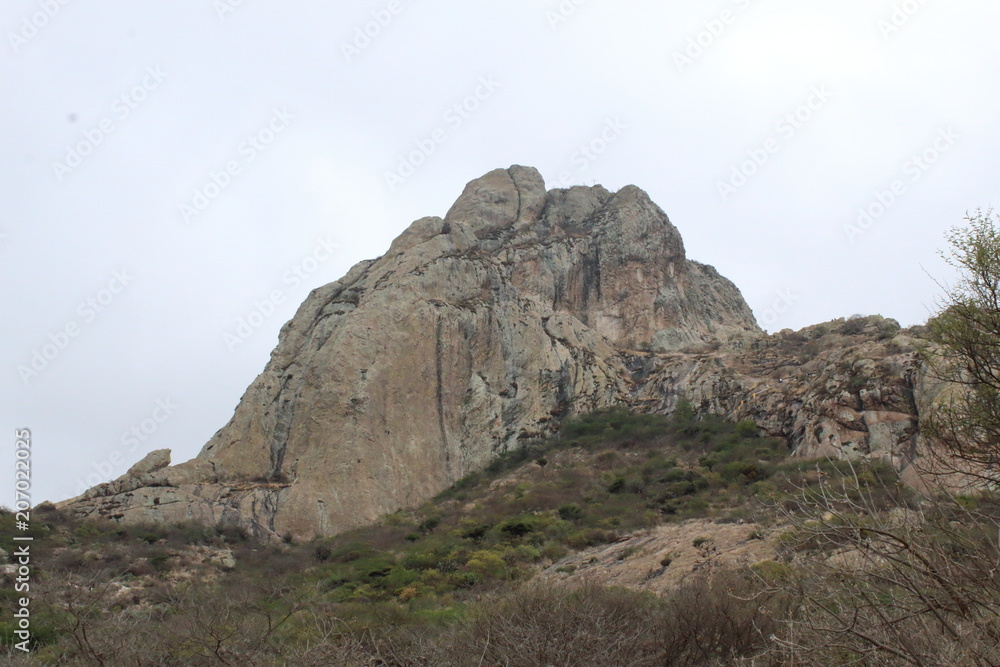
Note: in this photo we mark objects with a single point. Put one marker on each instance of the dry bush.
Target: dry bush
(544, 626)
(723, 620)
(894, 587)
(11, 657)
(711, 621)
(77, 609)
(98, 625)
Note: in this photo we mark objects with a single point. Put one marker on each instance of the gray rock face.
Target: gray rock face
(472, 332)
(155, 460)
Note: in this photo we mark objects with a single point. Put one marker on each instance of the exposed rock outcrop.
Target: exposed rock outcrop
(155, 460)
(485, 327)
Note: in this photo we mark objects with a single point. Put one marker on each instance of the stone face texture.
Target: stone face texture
(475, 331)
(155, 460)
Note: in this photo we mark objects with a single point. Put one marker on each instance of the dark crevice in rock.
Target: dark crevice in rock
(284, 414)
(438, 361)
(517, 216)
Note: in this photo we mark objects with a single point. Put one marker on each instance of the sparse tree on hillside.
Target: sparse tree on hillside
(885, 578)
(967, 352)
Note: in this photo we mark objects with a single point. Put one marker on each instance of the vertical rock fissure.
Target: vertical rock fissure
(518, 191)
(439, 363)
(591, 270)
(282, 428)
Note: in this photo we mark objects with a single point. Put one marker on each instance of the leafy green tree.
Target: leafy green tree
(966, 354)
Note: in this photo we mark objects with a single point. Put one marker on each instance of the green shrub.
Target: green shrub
(87, 529)
(772, 572)
(398, 578)
(160, 561)
(466, 579)
(696, 506)
(352, 551)
(591, 537)
(672, 475)
(487, 563)
(468, 481)
(374, 567)
(553, 551)
(430, 554)
(743, 472)
(764, 490)
(678, 489)
(477, 532)
(429, 524)
(526, 553)
(517, 527)
(635, 486)
(746, 429)
(41, 635)
(338, 578)
(570, 512)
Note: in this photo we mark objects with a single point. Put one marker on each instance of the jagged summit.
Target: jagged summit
(612, 260)
(473, 331)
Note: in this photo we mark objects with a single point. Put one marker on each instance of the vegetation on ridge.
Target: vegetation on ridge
(443, 584)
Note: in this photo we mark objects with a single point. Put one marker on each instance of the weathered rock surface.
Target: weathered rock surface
(486, 327)
(662, 558)
(842, 389)
(155, 460)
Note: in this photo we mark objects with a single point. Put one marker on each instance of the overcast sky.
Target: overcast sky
(175, 177)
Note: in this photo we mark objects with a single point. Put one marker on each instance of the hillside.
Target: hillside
(543, 558)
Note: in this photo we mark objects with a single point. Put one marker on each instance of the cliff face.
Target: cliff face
(471, 333)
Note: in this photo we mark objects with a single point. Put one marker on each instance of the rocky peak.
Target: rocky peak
(494, 204)
(472, 333)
